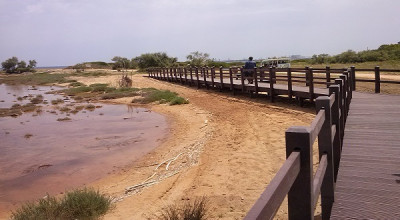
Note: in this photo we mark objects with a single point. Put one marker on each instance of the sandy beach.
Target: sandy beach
(223, 147)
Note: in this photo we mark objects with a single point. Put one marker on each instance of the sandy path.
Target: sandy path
(229, 149)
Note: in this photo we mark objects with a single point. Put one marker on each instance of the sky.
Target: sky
(66, 32)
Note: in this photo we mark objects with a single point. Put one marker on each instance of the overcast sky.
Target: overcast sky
(66, 32)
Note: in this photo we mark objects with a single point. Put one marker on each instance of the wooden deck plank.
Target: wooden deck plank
(368, 183)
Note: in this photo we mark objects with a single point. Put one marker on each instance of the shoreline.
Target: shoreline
(223, 147)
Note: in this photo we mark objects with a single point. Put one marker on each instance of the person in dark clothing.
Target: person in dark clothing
(249, 69)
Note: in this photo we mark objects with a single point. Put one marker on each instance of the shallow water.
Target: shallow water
(40, 155)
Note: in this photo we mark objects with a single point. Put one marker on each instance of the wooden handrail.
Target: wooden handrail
(316, 125)
(271, 199)
(319, 176)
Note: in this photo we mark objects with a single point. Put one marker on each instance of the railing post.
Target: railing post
(337, 142)
(306, 73)
(325, 147)
(290, 86)
(197, 77)
(205, 77)
(311, 84)
(328, 76)
(191, 76)
(345, 94)
(377, 80)
(242, 79)
(300, 196)
(163, 73)
(271, 83)
(212, 76)
(231, 80)
(353, 76)
(221, 78)
(255, 80)
(339, 82)
(180, 75)
(185, 71)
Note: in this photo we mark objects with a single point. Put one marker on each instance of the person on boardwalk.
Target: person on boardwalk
(248, 69)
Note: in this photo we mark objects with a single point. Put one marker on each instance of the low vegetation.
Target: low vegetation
(150, 95)
(187, 211)
(78, 204)
(390, 52)
(142, 96)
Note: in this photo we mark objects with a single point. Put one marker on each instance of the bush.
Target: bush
(154, 60)
(78, 204)
(99, 87)
(48, 208)
(188, 211)
(162, 96)
(77, 90)
(84, 204)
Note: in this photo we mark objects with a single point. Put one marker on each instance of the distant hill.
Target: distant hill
(91, 65)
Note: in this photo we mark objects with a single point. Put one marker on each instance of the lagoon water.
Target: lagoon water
(39, 154)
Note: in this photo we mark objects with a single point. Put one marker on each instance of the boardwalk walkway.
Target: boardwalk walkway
(368, 183)
(368, 180)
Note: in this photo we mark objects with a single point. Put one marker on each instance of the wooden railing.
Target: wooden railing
(295, 178)
(377, 77)
(310, 76)
(226, 78)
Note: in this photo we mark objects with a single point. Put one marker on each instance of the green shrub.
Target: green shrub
(84, 204)
(187, 211)
(162, 96)
(76, 84)
(99, 87)
(178, 101)
(57, 101)
(120, 92)
(48, 208)
(79, 204)
(77, 90)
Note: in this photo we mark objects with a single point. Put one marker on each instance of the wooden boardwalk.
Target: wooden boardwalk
(368, 182)
(365, 184)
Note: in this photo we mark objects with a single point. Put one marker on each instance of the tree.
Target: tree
(10, 65)
(80, 67)
(32, 64)
(198, 59)
(155, 60)
(121, 63)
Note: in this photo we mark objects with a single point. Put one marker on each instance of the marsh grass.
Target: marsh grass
(90, 74)
(76, 84)
(37, 100)
(147, 95)
(57, 101)
(79, 204)
(36, 79)
(100, 87)
(64, 119)
(77, 90)
(120, 93)
(150, 95)
(186, 211)
(90, 107)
